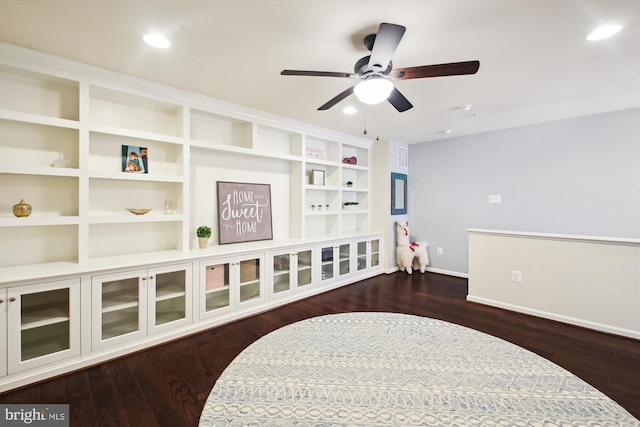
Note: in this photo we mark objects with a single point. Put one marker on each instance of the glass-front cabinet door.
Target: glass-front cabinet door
(374, 257)
(344, 252)
(361, 257)
(226, 283)
(249, 272)
(119, 307)
(281, 273)
(327, 256)
(291, 270)
(169, 297)
(43, 323)
(215, 287)
(368, 254)
(304, 265)
(335, 261)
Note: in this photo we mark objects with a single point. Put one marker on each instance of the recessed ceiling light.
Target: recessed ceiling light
(157, 40)
(349, 110)
(466, 107)
(603, 32)
(446, 131)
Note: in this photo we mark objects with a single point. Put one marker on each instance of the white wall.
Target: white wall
(385, 161)
(590, 282)
(578, 176)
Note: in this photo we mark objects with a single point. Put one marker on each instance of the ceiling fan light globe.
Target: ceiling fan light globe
(373, 91)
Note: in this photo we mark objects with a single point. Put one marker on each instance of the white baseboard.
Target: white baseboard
(448, 272)
(433, 270)
(557, 317)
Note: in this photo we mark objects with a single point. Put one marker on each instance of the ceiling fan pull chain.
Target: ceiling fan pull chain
(365, 120)
(377, 122)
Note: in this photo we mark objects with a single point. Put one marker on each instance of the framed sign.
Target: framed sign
(244, 212)
(398, 193)
(317, 177)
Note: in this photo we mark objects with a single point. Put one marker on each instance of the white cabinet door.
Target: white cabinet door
(229, 283)
(170, 301)
(249, 279)
(43, 323)
(367, 254)
(291, 270)
(3, 327)
(130, 305)
(335, 261)
(215, 287)
(119, 308)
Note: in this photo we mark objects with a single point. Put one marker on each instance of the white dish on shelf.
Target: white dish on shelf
(138, 211)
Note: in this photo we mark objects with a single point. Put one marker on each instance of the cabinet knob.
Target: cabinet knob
(1, 300)
(144, 278)
(12, 299)
(151, 277)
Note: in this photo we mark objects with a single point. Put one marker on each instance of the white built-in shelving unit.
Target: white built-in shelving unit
(101, 281)
(80, 208)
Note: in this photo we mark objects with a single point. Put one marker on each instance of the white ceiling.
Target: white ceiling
(535, 64)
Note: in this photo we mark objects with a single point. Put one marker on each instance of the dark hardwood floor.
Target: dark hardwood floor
(168, 384)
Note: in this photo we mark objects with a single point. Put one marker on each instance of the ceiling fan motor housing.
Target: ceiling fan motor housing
(362, 67)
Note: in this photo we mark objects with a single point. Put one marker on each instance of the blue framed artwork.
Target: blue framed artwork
(398, 193)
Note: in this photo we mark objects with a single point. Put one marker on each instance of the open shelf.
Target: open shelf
(31, 245)
(213, 129)
(26, 146)
(165, 160)
(278, 141)
(130, 111)
(39, 94)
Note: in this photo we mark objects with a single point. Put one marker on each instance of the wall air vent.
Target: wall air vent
(403, 157)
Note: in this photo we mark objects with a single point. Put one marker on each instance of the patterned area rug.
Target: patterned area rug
(386, 369)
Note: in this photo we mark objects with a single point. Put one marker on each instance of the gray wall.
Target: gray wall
(578, 176)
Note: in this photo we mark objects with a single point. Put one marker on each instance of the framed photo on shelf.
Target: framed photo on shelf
(244, 212)
(135, 159)
(317, 177)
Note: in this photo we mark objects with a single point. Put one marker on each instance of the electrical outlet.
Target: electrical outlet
(516, 276)
(495, 198)
(439, 250)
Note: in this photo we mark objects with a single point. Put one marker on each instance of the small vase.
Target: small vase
(202, 242)
(22, 209)
(60, 162)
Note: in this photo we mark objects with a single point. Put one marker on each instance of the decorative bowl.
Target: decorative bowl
(138, 211)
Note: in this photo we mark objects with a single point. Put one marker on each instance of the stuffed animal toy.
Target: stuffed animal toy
(410, 255)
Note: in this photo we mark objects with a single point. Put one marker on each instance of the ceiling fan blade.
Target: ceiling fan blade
(333, 101)
(440, 70)
(387, 39)
(315, 73)
(399, 101)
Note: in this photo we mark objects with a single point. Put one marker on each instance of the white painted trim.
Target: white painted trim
(433, 270)
(557, 317)
(448, 272)
(569, 237)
